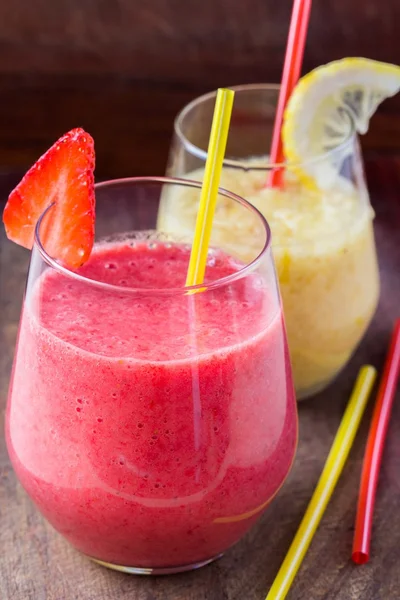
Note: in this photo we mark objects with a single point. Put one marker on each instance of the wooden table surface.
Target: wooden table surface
(36, 563)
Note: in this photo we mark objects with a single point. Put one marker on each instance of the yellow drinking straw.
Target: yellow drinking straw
(333, 467)
(209, 190)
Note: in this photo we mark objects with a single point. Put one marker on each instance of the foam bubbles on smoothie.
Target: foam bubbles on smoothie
(183, 326)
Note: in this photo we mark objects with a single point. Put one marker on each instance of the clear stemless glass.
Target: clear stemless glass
(151, 423)
(323, 241)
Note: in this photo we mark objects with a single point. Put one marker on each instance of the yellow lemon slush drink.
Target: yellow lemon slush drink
(320, 217)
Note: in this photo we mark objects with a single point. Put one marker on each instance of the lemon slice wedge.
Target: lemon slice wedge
(326, 106)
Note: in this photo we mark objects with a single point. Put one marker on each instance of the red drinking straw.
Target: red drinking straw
(290, 76)
(374, 449)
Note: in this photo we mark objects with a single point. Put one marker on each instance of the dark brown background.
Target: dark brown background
(123, 68)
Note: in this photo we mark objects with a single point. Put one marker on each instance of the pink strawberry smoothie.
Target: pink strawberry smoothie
(151, 428)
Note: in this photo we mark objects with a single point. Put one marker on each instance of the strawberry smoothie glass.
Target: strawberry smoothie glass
(151, 426)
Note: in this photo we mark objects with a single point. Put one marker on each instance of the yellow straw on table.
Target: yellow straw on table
(333, 467)
(209, 190)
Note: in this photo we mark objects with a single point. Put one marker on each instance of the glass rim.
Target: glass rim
(202, 287)
(239, 164)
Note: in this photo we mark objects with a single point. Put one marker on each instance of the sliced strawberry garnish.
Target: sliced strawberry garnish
(63, 176)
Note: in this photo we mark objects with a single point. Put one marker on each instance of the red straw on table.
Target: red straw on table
(374, 449)
(290, 76)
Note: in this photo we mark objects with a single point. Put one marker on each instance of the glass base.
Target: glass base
(155, 570)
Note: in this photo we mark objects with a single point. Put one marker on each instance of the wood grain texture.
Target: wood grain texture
(36, 564)
(132, 122)
(186, 40)
(124, 68)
